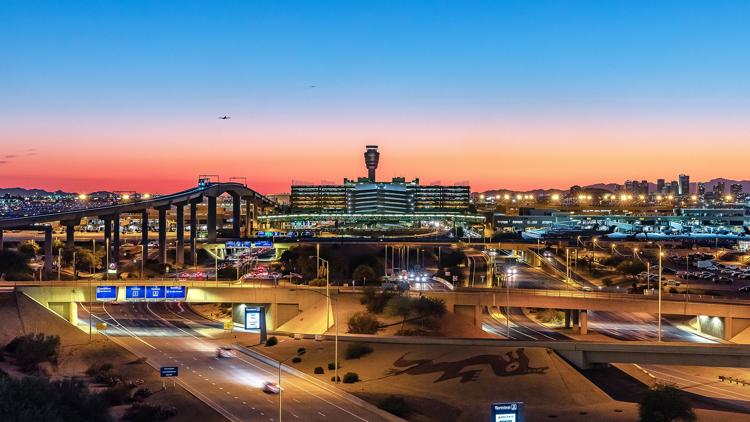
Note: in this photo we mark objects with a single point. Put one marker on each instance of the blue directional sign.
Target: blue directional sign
(507, 412)
(135, 292)
(155, 292)
(168, 371)
(106, 292)
(176, 293)
(263, 244)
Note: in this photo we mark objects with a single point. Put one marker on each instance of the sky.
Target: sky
(502, 94)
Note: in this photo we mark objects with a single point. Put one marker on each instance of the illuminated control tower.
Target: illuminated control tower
(372, 156)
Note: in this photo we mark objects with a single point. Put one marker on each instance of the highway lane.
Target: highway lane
(521, 327)
(170, 334)
(638, 326)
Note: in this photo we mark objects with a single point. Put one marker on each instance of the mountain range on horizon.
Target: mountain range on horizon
(30, 192)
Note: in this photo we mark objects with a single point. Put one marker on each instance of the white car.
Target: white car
(271, 387)
(224, 352)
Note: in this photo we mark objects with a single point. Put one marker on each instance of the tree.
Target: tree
(665, 403)
(363, 273)
(375, 301)
(363, 323)
(400, 306)
(13, 263)
(429, 307)
(630, 267)
(36, 399)
(28, 249)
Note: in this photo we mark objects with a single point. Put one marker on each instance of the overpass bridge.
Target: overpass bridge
(730, 315)
(285, 304)
(111, 216)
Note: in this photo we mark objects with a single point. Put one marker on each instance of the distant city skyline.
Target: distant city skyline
(107, 96)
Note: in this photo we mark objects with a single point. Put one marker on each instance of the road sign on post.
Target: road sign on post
(507, 412)
(255, 319)
(168, 371)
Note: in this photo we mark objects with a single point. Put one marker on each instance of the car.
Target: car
(722, 279)
(271, 387)
(744, 289)
(224, 352)
(587, 288)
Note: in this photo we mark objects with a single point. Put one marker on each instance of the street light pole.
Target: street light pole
(660, 270)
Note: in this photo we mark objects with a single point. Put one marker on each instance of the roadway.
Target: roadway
(521, 326)
(170, 334)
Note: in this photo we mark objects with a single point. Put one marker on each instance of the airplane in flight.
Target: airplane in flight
(224, 118)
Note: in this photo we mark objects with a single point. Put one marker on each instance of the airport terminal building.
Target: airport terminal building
(365, 195)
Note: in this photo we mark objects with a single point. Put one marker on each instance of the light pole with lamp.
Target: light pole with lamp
(318, 260)
(660, 269)
(510, 273)
(299, 353)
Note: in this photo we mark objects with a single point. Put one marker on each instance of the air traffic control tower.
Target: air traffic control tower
(372, 156)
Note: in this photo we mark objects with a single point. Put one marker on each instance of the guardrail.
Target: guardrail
(672, 297)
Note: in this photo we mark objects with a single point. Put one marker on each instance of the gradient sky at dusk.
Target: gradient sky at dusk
(515, 94)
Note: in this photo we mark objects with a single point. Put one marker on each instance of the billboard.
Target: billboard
(175, 293)
(155, 292)
(106, 292)
(135, 292)
(507, 412)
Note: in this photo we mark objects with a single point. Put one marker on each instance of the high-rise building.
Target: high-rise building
(701, 189)
(684, 185)
(659, 185)
(644, 187)
(718, 188)
(673, 188)
(735, 189)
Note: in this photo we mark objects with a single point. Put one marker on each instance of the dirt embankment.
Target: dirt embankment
(21, 315)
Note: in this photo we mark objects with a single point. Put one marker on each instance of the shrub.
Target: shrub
(272, 341)
(36, 399)
(296, 359)
(396, 406)
(147, 412)
(318, 370)
(357, 350)
(426, 306)
(351, 378)
(117, 395)
(142, 393)
(32, 349)
(363, 323)
(665, 403)
(332, 366)
(374, 300)
(301, 351)
(333, 378)
(317, 282)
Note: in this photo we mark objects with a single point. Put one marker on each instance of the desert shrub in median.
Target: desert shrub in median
(363, 323)
(318, 370)
(357, 350)
(296, 359)
(396, 406)
(351, 378)
(272, 341)
(332, 366)
(317, 282)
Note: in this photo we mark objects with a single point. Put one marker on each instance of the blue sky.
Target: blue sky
(411, 64)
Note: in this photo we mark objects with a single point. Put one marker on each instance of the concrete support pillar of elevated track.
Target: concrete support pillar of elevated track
(116, 239)
(162, 234)
(194, 231)
(48, 258)
(144, 235)
(236, 215)
(211, 223)
(180, 245)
